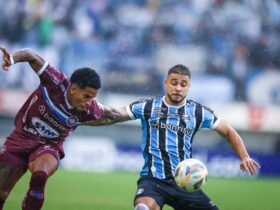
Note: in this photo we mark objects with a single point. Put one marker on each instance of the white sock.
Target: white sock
(141, 206)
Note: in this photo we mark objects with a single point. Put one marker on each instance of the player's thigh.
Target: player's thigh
(46, 162)
(148, 201)
(197, 200)
(9, 175)
(148, 193)
(44, 158)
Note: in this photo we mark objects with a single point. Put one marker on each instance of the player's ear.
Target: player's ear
(72, 89)
(165, 82)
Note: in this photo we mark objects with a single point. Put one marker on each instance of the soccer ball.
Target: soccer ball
(191, 174)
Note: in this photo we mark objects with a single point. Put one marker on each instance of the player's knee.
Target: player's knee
(141, 206)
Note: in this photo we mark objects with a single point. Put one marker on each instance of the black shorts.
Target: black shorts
(167, 192)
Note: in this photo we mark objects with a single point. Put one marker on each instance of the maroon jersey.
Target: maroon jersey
(47, 116)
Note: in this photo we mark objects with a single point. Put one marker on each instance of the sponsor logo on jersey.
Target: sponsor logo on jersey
(54, 123)
(162, 125)
(43, 128)
(160, 113)
(42, 109)
(140, 190)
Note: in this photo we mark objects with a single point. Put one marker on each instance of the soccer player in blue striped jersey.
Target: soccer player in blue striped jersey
(169, 124)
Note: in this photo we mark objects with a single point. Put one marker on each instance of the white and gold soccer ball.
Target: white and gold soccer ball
(191, 174)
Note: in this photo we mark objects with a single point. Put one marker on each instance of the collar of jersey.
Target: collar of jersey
(53, 108)
(164, 101)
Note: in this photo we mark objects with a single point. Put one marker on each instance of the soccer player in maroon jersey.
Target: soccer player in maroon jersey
(51, 112)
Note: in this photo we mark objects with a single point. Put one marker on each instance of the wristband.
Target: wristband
(11, 60)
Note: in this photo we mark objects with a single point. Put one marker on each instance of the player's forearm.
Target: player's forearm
(100, 122)
(110, 116)
(237, 144)
(230, 134)
(28, 55)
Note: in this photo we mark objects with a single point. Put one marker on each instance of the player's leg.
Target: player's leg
(148, 196)
(194, 201)
(13, 164)
(146, 203)
(176, 197)
(44, 165)
(9, 175)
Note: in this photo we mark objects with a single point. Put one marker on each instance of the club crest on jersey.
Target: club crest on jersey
(72, 121)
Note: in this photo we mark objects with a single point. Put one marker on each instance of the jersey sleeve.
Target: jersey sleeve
(136, 109)
(96, 110)
(209, 118)
(51, 77)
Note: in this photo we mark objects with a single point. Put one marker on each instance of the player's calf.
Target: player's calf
(9, 175)
(34, 198)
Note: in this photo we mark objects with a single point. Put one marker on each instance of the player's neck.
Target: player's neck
(168, 102)
(66, 97)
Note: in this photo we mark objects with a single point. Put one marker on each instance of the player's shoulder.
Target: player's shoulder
(49, 68)
(148, 100)
(53, 73)
(198, 104)
(193, 102)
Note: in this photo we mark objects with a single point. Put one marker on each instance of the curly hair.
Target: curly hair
(86, 77)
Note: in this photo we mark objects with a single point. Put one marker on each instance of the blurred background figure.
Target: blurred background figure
(231, 47)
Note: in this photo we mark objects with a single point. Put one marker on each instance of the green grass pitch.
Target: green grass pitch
(106, 191)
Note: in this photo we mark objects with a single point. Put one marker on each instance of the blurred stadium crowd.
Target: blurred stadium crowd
(132, 43)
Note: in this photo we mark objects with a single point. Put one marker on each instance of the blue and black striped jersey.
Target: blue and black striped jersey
(168, 132)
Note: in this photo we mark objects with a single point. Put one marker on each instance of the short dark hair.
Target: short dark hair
(86, 77)
(180, 69)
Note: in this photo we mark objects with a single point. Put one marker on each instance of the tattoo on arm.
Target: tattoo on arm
(110, 116)
(28, 55)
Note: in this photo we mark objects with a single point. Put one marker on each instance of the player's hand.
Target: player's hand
(249, 165)
(6, 59)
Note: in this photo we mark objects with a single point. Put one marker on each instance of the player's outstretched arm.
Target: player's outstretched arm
(110, 116)
(229, 133)
(23, 55)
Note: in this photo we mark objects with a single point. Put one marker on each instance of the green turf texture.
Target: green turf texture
(105, 191)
